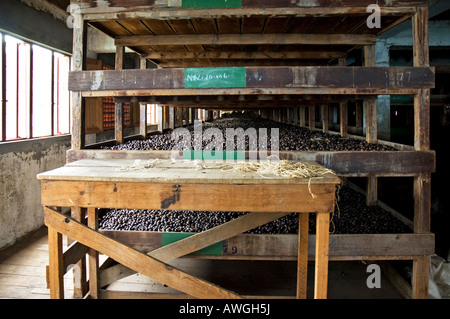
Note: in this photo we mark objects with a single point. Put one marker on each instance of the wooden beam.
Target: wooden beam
(78, 64)
(153, 196)
(422, 183)
(292, 80)
(143, 119)
(322, 250)
(120, 54)
(243, 55)
(94, 287)
(134, 259)
(285, 247)
(266, 4)
(56, 271)
(162, 13)
(302, 261)
(199, 241)
(118, 123)
(246, 39)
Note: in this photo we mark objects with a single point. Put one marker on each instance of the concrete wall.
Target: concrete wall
(20, 197)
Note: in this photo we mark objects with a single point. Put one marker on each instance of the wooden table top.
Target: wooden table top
(167, 171)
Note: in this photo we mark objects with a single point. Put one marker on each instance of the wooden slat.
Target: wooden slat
(133, 259)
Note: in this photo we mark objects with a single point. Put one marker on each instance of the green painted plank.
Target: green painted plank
(169, 238)
(211, 4)
(213, 155)
(212, 78)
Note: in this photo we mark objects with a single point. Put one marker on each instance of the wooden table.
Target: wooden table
(179, 185)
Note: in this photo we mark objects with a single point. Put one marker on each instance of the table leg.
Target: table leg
(56, 271)
(94, 289)
(322, 243)
(302, 263)
(79, 271)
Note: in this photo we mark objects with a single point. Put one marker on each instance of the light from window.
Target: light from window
(35, 96)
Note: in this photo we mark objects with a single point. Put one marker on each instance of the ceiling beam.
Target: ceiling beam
(247, 39)
(244, 55)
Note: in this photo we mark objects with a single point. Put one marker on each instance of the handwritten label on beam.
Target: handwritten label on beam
(211, 78)
(211, 4)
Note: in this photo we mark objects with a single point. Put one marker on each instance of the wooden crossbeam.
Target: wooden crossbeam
(146, 265)
(286, 80)
(247, 39)
(243, 55)
(196, 242)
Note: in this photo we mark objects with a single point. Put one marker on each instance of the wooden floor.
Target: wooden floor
(22, 268)
(22, 275)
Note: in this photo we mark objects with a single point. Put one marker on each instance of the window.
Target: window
(35, 101)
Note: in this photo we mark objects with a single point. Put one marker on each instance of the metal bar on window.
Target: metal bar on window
(30, 123)
(3, 88)
(53, 96)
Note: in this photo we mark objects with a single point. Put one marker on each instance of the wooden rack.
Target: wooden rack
(273, 55)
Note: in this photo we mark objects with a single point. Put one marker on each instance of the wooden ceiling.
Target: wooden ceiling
(251, 41)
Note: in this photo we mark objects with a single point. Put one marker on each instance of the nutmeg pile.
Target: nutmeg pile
(352, 217)
(291, 138)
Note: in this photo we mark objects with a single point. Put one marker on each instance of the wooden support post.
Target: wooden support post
(160, 118)
(143, 119)
(343, 108)
(120, 54)
(322, 248)
(118, 123)
(78, 64)
(312, 118)
(422, 183)
(171, 117)
(302, 261)
(372, 191)
(296, 114)
(302, 116)
(343, 111)
(56, 271)
(325, 117)
(371, 128)
(94, 288)
(143, 63)
(166, 117)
